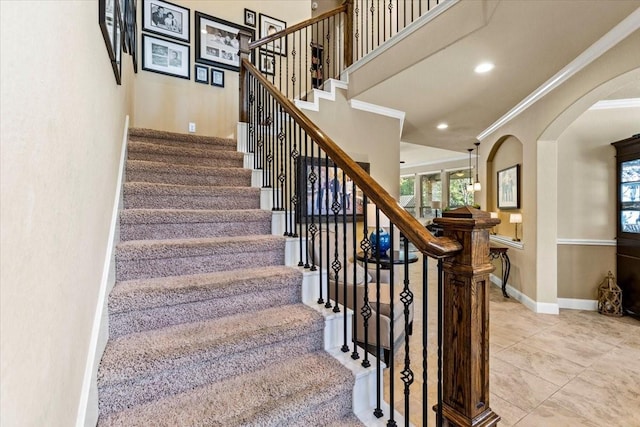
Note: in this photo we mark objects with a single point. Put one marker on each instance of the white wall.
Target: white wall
(61, 131)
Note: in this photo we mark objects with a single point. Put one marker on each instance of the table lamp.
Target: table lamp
(516, 219)
(493, 215)
(435, 204)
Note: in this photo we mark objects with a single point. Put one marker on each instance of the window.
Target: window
(431, 191)
(458, 194)
(407, 196)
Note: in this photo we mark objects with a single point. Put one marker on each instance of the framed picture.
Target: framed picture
(218, 42)
(165, 57)
(267, 64)
(106, 20)
(270, 26)
(118, 38)
(249, 18)
(166, 19)
(509, 188)
(330, 184)
(131, 31)
(201, 74)
(217, 77)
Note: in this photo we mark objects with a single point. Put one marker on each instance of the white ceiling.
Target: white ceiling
(528, 40)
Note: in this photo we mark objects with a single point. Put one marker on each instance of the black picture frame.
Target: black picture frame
(217, 41)
(118, 39)
(268, 26)
(508, 191)
(156, 20)
(201, 73)
(165, 57)
(315, 209)
(131, 30)
(217, 77)
(267, 64)
(106, 15)
(249, 18)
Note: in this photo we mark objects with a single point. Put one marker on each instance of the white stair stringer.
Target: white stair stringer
(328, 92)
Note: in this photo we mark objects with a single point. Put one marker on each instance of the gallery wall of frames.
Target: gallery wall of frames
(166, 39)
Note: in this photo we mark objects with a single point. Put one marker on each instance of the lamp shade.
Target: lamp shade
(371, 217)
(435, 204)
(477, 186)
(493, 214)
(515, 218)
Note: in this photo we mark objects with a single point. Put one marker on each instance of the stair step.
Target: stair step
(145, 259)
(147, 171)
(285, 393)
(143, 224)
(146, 304)
(169, 196)
(180, 139)
(183, 155)
(142, 367)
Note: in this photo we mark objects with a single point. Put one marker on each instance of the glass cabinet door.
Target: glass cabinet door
(630, 196)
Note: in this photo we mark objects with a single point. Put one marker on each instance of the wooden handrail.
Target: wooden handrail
(297, 27)
(423, 240)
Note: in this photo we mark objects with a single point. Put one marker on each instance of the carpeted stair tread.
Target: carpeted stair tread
(183, 155)
(141, 259)
(136, 355)
(142, 133)
(147, 304)
(142, 294)
(143, 224)
(349, 420)
(144, 195)
(276, 395)
(149, 171)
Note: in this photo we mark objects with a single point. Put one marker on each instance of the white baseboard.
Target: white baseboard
(578, 304)
(536, 307)
(88, 403)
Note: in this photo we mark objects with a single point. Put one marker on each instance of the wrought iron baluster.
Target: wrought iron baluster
(425, 312)
(336, 265)
(440, 340)
(378, 410)
(304, 205)
(365, 245)
(391, 421)
(406, 296)
(355, 355)
(345, 345)
(326, 217)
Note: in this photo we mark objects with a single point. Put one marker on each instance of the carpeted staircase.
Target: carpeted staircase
(206, 323)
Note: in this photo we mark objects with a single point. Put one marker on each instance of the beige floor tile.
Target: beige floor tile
(552, 415)
(509, 414)
(570, 343)
(518, 387)
(550, 367)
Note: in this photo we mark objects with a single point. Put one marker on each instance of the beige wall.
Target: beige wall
(62, 125)
(582, 268)
(170, 103)
(506, 154)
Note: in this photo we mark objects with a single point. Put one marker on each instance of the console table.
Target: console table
(500, 252)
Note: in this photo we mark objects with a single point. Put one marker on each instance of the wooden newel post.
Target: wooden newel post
(465, 343)
(243, 51)
(348, 34)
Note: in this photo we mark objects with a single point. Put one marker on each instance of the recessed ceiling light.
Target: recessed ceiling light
(442, 126)
(484, 67)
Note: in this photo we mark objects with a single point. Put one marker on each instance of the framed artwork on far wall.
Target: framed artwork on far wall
(270, 26)
(249, 18)
(330, 184)
(267, 64)
(201, 74)
(218, 42)
(217, 77)
(166, 19)
(509, 188)
(106, 20)
(165, 57)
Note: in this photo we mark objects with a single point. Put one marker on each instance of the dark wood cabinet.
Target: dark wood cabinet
(628, 220)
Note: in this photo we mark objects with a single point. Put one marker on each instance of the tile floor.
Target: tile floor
(578, 368)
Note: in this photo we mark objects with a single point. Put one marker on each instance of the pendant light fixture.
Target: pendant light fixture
(476, 185)
(470, 185)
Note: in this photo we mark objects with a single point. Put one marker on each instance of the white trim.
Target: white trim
(328, 92)
(536, 307)
(578, 304)
(403, 34)
(608, 104)
(627, 26)
(102, 293)
(507, 241)
(586, 242)
(435, 162)
(378, 109)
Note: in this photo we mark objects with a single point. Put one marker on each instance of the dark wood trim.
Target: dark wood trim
(296, 27)
(348, 34)
(423, 240)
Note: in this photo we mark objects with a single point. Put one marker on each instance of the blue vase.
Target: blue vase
(383, 245)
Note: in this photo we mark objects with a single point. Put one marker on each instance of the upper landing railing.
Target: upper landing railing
(328, 195)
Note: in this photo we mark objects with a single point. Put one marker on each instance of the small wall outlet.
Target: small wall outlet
(192, 127)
